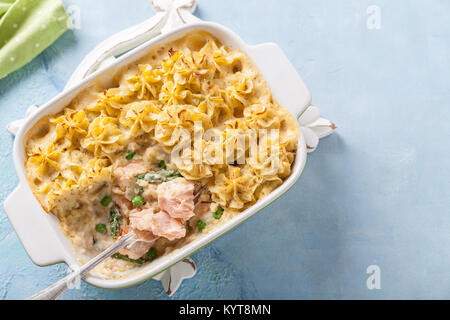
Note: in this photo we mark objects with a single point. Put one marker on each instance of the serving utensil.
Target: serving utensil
(57, 289)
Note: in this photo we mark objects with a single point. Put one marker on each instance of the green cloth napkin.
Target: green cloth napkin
(4, 6)
(28, 27)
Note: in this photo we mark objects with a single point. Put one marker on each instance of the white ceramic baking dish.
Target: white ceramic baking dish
(40, 233)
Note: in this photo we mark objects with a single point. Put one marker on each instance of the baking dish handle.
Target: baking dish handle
(314, 128)
(292, 92)
(43, 250)
(169, 15)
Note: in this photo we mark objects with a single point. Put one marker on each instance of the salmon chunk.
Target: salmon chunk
(141, 220)
(165, 226)
(176, 197)
(137, 250)
(125, 173)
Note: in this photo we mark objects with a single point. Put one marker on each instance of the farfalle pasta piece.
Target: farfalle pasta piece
(193, 171)
(214, 106)
(72, 125)
(104, 136)
(111, 101)
(140, 117)
(237, 93)
(147, 82)
(171, 93)
(261, 116)
(44, 160)
(235, 187)
(177, 121)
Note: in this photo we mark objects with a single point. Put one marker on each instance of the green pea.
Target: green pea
(137, 201)
(106, 200)
(101, 228)
(162, 164)
(201, 225)
(130, 155)
(218, 214)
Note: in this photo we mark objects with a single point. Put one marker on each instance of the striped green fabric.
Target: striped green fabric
(28, 27)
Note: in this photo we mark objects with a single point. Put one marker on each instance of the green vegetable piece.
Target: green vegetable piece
(160, 176)
(218, 214)
(101, 228)
(106, 200)
(201, 225)
(126, 258)
(137, 201)
(115, 220)
(162, 164)
(130, 155)
(149, 256)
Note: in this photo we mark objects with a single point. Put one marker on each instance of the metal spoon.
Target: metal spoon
(57, 289)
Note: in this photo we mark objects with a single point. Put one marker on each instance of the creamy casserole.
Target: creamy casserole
(105, 163)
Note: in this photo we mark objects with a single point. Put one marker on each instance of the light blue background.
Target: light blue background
(376, 192)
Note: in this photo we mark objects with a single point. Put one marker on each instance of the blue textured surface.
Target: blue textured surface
(375, 193)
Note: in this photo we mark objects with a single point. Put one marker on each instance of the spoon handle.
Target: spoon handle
(57, 289)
